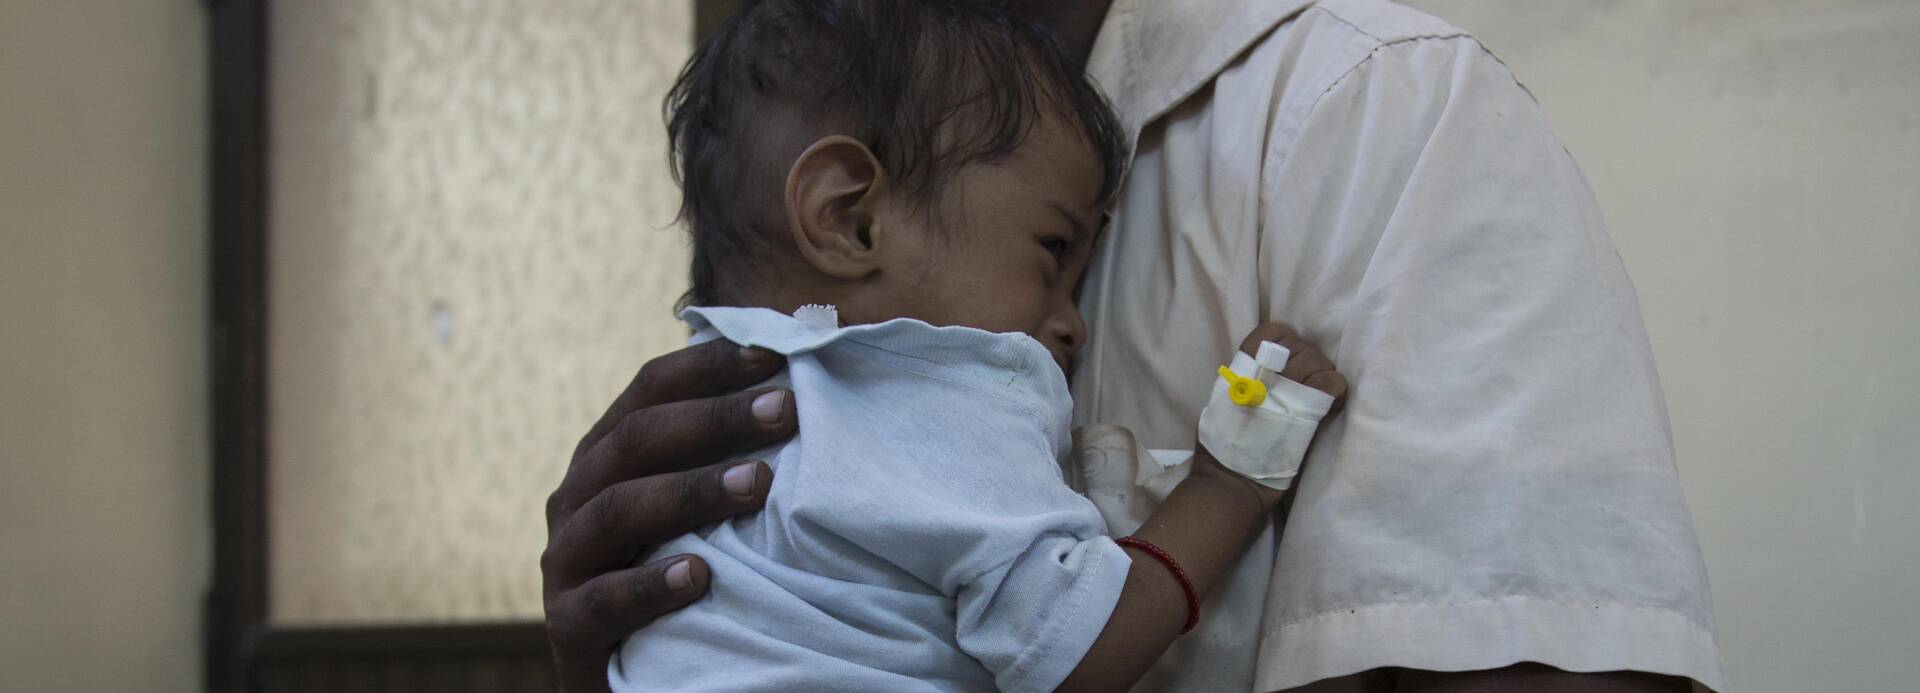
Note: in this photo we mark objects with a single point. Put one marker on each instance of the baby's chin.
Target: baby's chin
(1064, 361)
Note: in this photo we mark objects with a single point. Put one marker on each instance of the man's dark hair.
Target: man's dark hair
(928, 85)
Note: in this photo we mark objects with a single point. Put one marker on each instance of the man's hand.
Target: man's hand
(643, 475)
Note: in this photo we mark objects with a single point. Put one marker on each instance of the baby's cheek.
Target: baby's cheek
(1022, 311)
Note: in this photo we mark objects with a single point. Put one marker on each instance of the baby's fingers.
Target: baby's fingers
(1332, 383)
(1276, 332)
(1304, 362)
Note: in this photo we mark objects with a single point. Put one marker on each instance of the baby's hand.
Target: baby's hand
(1305, 365)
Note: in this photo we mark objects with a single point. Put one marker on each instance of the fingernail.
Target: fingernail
(739, 480)
(768, 407)
(680, 576)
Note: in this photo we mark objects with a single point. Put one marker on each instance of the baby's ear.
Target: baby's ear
(832, 192)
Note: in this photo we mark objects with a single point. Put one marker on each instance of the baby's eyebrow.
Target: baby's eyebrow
(1079, 228)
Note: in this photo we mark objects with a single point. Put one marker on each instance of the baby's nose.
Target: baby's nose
(1070, 329)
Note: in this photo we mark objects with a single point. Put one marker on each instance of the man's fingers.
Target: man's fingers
(677, 436)
(609, 607)
(615, 526)
(682, 435)
(700, 371)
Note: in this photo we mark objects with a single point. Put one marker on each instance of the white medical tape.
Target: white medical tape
(1267, 442)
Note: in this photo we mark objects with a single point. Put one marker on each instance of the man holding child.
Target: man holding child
(1497, 507)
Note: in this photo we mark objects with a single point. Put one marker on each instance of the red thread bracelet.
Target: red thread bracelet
(1173, 566)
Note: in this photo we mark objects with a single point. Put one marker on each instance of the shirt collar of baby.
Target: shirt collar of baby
(814, 326)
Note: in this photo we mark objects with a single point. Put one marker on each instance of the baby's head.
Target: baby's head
(929, 159)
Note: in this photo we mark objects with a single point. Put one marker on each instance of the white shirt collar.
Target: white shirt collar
(1151, 54)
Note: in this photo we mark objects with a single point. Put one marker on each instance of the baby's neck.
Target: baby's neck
(856, 304)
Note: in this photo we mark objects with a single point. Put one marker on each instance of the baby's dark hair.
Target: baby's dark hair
(928, 85)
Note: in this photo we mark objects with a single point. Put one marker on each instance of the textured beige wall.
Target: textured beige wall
(104, 533)
(1759, 163)
(473, 250)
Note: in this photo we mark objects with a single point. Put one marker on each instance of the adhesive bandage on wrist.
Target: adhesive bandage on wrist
(1259, 424)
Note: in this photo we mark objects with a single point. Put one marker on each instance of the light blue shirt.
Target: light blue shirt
(919, 535)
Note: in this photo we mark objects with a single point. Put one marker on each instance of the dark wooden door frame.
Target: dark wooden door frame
(237, 186)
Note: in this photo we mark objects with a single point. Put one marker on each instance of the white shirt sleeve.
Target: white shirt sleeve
(1501, 487)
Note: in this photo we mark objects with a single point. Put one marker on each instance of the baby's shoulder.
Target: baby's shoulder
(900, 364)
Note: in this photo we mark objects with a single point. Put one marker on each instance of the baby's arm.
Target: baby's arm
(1204, 524)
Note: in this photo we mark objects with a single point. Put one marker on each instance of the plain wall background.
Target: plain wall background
(1759, 165)
(104, 532)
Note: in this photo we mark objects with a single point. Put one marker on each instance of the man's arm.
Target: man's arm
(1505, 459)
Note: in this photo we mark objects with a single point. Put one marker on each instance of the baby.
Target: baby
(901, 197)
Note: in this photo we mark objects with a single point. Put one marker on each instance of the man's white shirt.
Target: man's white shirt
(1501, 487)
